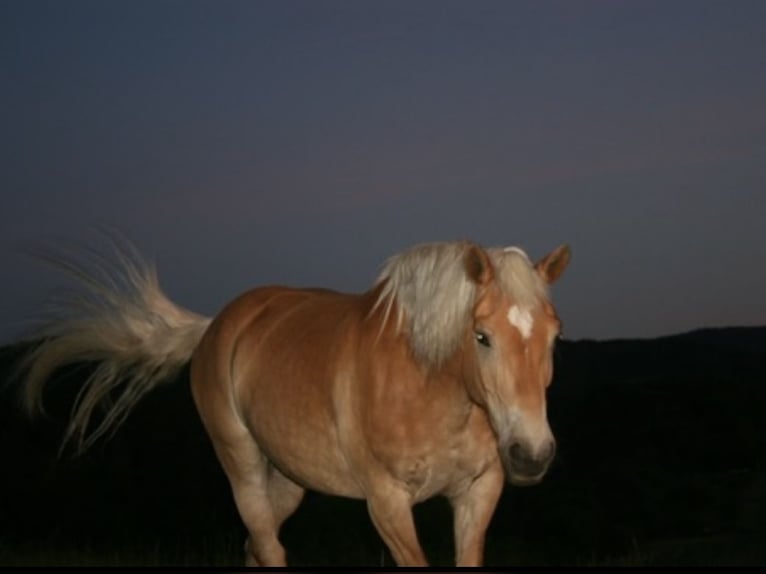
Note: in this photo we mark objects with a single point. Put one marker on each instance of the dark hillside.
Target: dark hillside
(662, 451)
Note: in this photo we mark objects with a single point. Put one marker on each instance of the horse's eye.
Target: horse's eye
(482, 339)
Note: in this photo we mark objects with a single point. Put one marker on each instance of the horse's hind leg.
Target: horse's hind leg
(285, 496)
(264, 497)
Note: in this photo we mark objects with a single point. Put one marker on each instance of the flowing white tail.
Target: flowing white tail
(124, 322)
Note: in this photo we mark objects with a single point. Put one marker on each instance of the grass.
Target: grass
(712, 551)
(41, 554)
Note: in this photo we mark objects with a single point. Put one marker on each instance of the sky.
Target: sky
(304, 142)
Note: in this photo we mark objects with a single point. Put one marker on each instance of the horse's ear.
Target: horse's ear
(478, 266)
(552, 265)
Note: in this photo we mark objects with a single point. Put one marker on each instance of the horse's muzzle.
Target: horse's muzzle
(523, 469)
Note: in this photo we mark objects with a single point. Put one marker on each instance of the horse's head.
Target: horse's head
(488, 312)
(514, 330)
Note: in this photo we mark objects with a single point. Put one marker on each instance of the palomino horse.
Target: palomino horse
(433, 382)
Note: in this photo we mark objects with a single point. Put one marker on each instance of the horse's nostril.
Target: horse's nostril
(523, 461)
(518, 455)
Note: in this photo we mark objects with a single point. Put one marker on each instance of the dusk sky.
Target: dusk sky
(254, 142)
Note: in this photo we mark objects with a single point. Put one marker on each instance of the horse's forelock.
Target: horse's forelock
(518, 277)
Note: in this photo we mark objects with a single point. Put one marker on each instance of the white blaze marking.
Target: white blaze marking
(522, 320)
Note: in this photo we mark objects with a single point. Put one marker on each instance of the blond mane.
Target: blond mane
(435, 297)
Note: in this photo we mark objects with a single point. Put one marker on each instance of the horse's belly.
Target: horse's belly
(304, 447)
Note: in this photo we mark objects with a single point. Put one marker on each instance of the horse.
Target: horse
(432, 382)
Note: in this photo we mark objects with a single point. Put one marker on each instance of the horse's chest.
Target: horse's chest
(433, 453)
(442, 468)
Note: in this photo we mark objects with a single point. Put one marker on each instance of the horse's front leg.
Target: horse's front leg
(473, 509)
(390, 508)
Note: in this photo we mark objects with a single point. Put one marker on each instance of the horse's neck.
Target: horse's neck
(387, 340)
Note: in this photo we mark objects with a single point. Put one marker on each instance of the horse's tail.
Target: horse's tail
(124, 322)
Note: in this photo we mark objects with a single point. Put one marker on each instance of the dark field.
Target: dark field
(661, 461)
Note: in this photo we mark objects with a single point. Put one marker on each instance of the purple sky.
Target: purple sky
(243, 143)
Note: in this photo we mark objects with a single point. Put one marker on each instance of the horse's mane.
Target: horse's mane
(435, 296)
